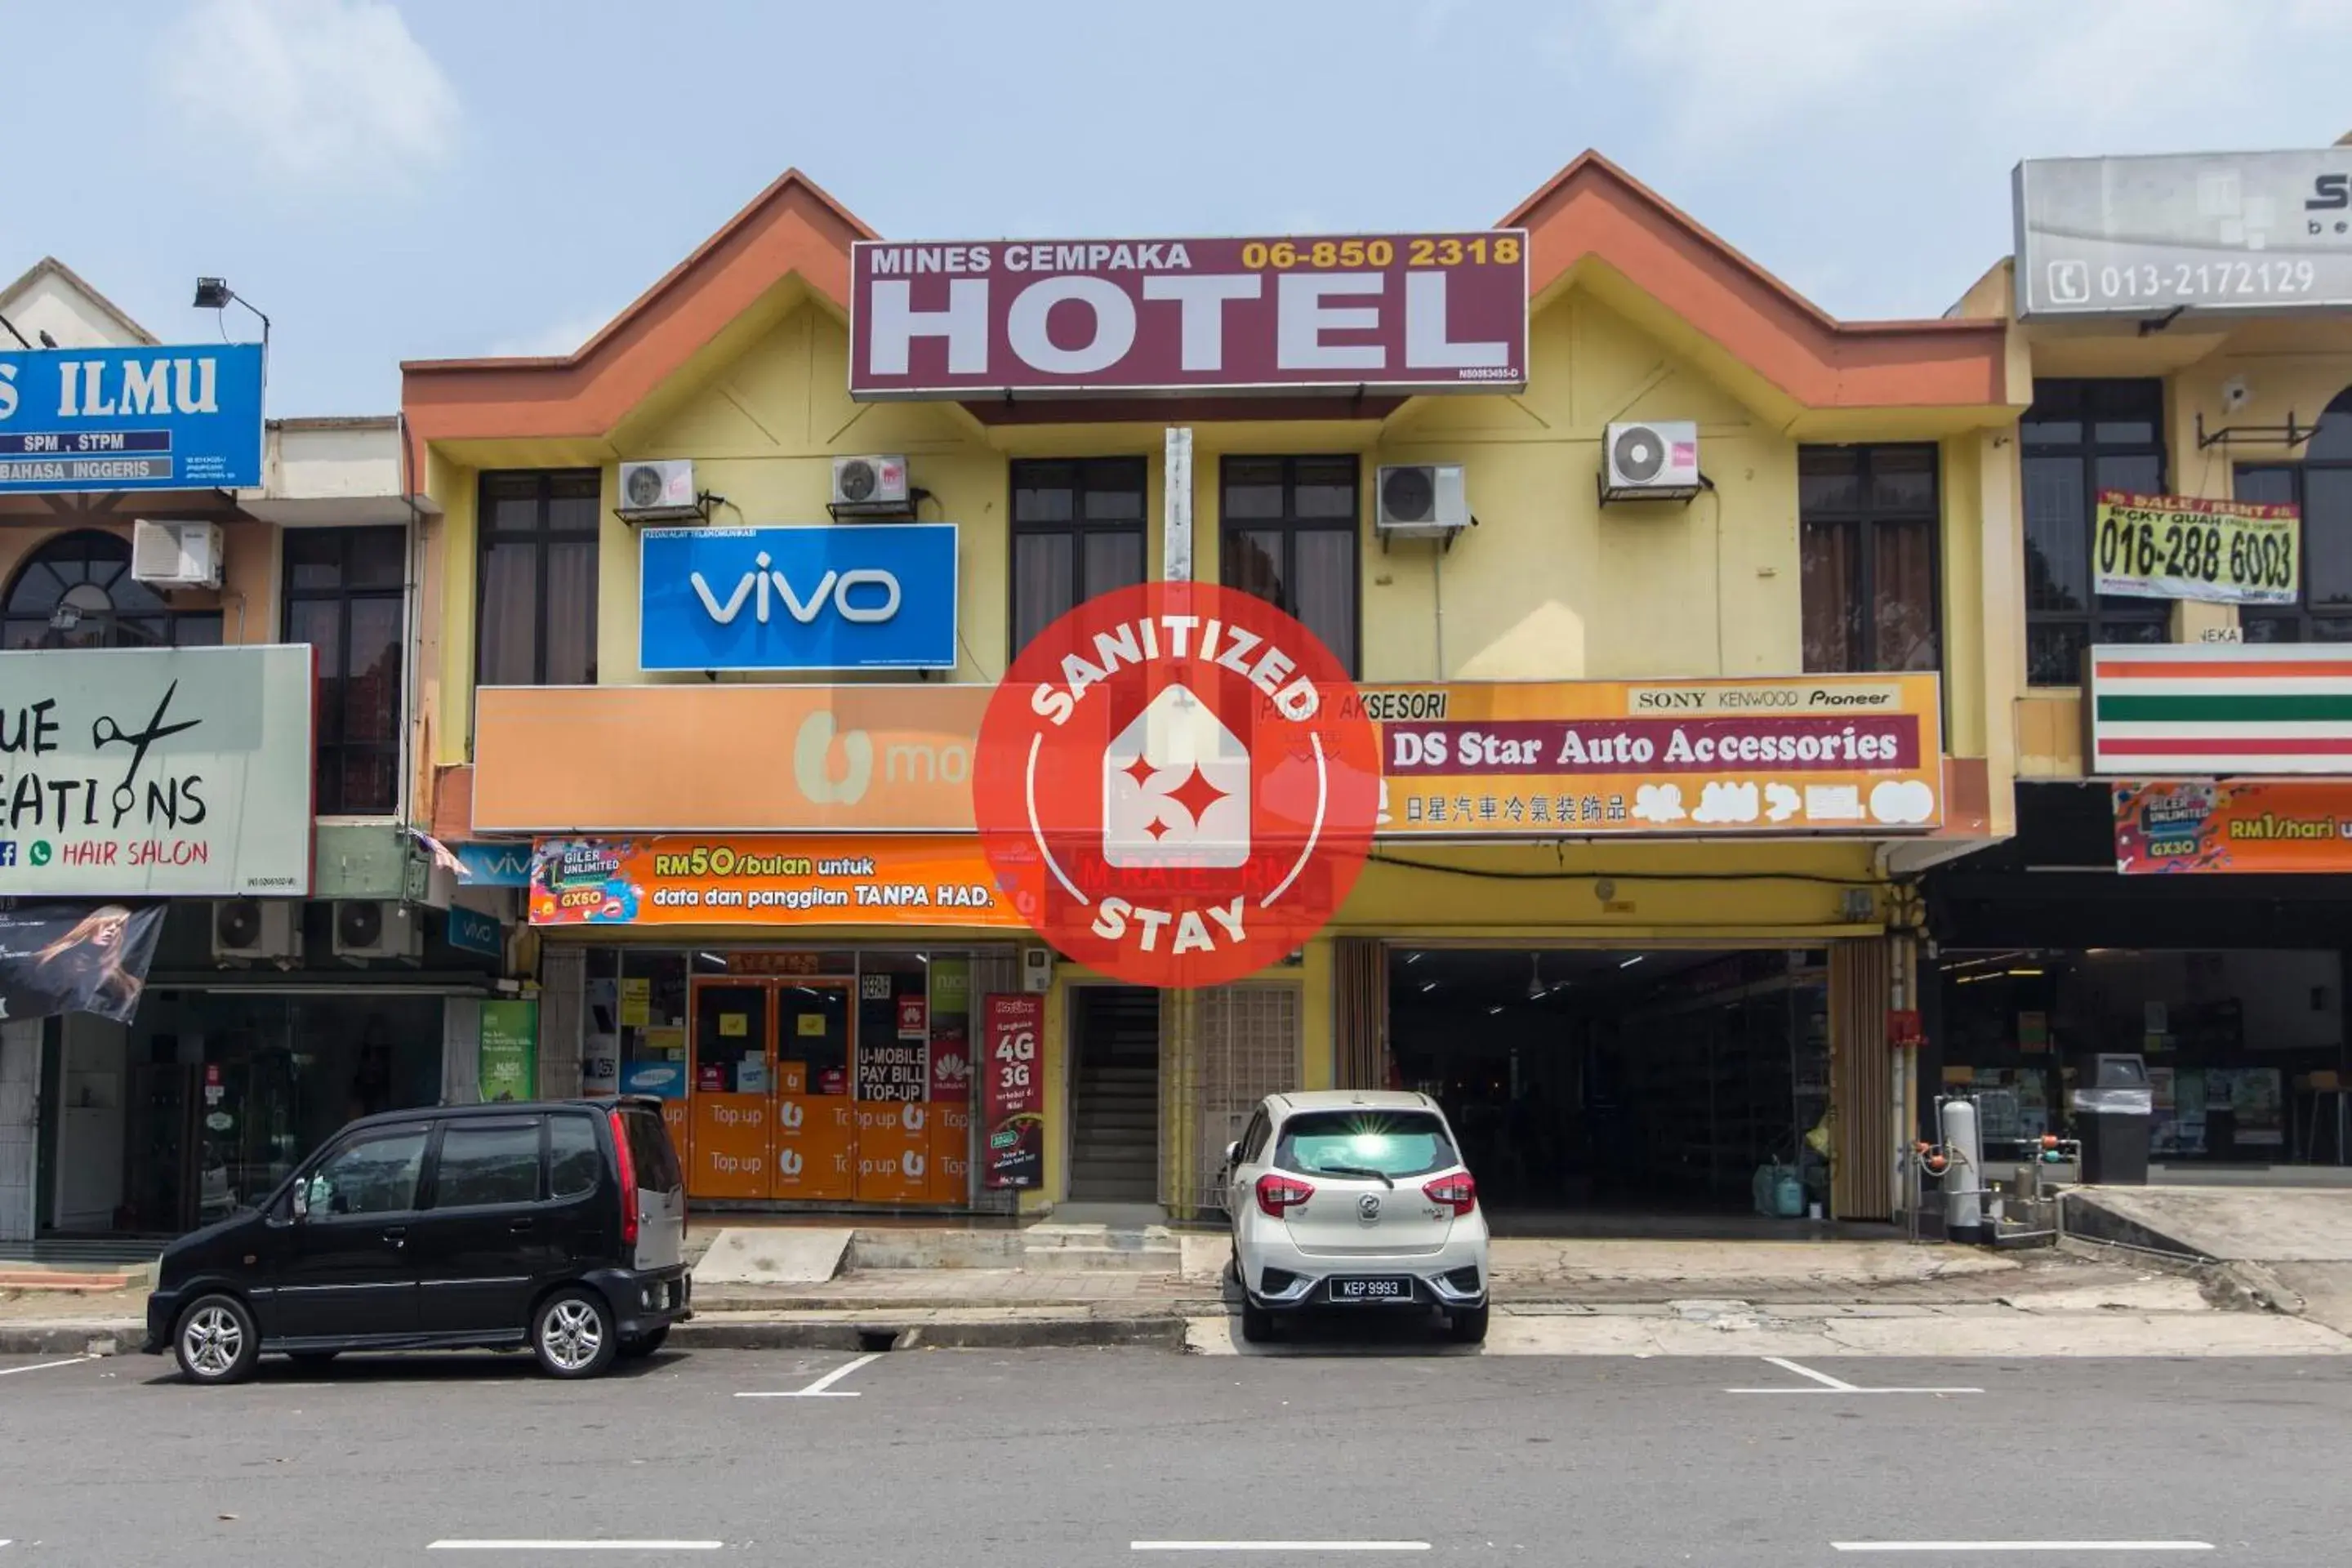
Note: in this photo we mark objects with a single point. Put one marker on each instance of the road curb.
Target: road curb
(879, 1333)
(70, 1339)
(871, 1333)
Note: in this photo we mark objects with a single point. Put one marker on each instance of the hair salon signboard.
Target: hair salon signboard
(128, 771)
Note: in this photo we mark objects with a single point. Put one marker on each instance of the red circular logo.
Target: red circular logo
(1177, 783)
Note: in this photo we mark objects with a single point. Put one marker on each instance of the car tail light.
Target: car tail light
(1456, 1192)
(628, 1166)
(1276, 1195)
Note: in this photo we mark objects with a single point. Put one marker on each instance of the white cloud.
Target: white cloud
(560, 338)
(310, 90)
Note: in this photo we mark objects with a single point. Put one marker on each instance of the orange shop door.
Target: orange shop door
(816, 1142)
(894, 1152)
(730, 1094)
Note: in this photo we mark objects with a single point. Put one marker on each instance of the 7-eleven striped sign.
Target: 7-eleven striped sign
(2220, 708)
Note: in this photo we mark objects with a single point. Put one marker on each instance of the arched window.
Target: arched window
(2322, 485)
(76, 591)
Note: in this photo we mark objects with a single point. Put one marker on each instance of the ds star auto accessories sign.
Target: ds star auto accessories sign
(1176, 784)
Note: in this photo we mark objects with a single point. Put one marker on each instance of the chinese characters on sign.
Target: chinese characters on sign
(1803, 754)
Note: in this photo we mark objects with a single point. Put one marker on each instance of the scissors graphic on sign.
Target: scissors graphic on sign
(105, 732)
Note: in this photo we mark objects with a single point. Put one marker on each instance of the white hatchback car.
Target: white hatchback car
(1354, 1198)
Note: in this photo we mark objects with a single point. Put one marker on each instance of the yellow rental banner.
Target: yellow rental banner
(2177, 547)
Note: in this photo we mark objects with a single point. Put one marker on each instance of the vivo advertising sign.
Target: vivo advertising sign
(847, 597)
(2205, 231)
(131, 419)
(1388, 313)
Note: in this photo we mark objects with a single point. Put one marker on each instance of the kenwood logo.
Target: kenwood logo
(764, 586)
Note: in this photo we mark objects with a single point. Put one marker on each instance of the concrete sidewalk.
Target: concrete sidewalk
(1730, 1287)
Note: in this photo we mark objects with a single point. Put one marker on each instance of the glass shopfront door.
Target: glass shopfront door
(839, 1087)
(732, 1096)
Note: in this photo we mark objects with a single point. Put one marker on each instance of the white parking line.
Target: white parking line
(575, 1546)
(1828, 1385)
(822, 1387)
(1277, 1546)
(2022, 1545)
(43, 1367)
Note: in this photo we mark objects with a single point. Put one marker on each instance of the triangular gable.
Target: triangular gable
(791, 230)
(77, 289)
(1593, 211)
(1591, 216)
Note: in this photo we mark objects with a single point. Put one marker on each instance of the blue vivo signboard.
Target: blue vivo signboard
(131, 419)
(845, 596)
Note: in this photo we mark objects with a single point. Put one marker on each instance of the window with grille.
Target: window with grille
(535, 616)
(1289, 535)
(1868, 521)
(344, 596)
(2081, 438)
(1077, 530)
(2321, 486)
(1223, 1050)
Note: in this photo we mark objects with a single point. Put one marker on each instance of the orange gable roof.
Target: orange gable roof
(1591, 209)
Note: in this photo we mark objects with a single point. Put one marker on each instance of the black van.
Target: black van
(561, 1226)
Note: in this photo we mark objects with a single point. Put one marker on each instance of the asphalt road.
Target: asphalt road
(1042, 1459)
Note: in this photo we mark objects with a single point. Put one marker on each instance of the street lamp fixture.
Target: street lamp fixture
(214, 294)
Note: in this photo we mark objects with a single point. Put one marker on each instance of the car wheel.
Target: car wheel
(644, 1344)
(1257, 1323)
(312, 1360)
(1468, 1326)
(572, 1334)
(217, 1341)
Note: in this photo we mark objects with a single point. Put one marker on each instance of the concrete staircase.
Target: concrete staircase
(1115, 1153)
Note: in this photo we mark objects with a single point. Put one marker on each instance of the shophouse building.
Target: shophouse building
(206, 621)
(1743, 575)
(2183, 488)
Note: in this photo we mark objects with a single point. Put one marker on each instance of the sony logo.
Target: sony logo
(763, 586)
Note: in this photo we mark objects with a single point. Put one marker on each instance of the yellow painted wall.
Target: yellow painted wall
(2289, 369)
(1548, 586)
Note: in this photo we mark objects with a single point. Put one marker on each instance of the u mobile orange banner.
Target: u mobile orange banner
(767, 879)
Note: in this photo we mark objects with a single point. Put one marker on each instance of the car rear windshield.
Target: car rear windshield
(1340, 1143)
(649, 1150)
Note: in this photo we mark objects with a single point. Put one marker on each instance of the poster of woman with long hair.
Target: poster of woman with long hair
(76, 958)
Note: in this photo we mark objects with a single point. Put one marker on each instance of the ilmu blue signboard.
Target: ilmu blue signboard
(131, 419)
(874, 595)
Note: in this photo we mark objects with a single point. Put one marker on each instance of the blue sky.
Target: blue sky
(439, 177)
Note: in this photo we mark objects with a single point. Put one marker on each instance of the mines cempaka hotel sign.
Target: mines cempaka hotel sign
(1380, 313)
